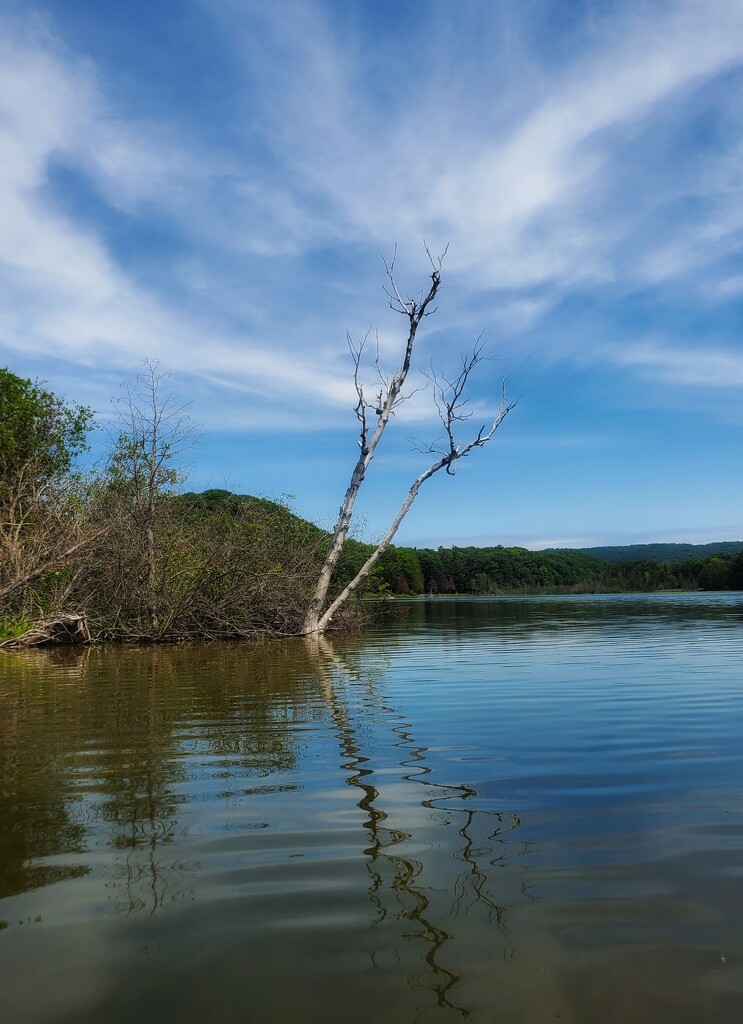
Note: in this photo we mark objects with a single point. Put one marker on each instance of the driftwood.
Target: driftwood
(65, 628)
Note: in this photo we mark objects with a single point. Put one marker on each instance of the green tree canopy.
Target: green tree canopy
(40, 433)
(715, 574)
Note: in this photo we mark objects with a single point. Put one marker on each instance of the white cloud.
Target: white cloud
(525, 174)
(713, 368)
(64, 293)
(526, 203)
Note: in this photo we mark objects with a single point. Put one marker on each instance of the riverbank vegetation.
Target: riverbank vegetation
(127, 547)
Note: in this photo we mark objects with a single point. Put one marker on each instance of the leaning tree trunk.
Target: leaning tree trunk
(383, 407)
(327, 617)
(447, 461)
(449, 402)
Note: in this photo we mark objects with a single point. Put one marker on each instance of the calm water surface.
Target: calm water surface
(502, 810)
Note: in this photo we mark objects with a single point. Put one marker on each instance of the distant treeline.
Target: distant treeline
(508, 570)
(663, 552)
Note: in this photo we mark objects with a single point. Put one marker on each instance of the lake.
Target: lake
(490, 810)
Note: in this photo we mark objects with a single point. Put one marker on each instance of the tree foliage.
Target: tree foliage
(41, 434)
(44, 503)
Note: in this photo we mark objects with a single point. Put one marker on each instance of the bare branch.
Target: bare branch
(448, 462)
(438, 263)
(155, 433)
(387, 400)
(452, 408)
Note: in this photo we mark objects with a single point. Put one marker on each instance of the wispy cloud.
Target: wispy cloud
(549, 178)
(539, 195)
(712, 368)
(65, 292)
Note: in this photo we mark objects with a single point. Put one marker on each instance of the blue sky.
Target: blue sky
(213, 183)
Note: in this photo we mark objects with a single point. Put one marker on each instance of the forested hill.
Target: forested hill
(659, 552)
(491, 570)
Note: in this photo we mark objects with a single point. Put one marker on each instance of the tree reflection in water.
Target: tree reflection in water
(135, 761)
(37, 814)
(444, 802)
(270, 832)
(96, 753)
(236, 733)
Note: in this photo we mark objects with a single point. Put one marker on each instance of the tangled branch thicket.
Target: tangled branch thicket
(121, 548)
(230, 571)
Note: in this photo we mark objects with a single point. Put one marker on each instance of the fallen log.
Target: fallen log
(65, 628)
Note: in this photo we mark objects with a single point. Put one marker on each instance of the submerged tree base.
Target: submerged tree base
(64, 628)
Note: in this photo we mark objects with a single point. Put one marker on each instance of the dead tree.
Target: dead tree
(155, 433)
(450, 404)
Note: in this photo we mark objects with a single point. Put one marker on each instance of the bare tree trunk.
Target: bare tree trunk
(63, 628)
(387, 399)
(327, 617)
(450, 405)
(151, 575)
(154, 458)
(154, 435)
(447, 462)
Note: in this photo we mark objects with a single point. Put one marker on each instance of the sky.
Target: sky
(215, 185)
